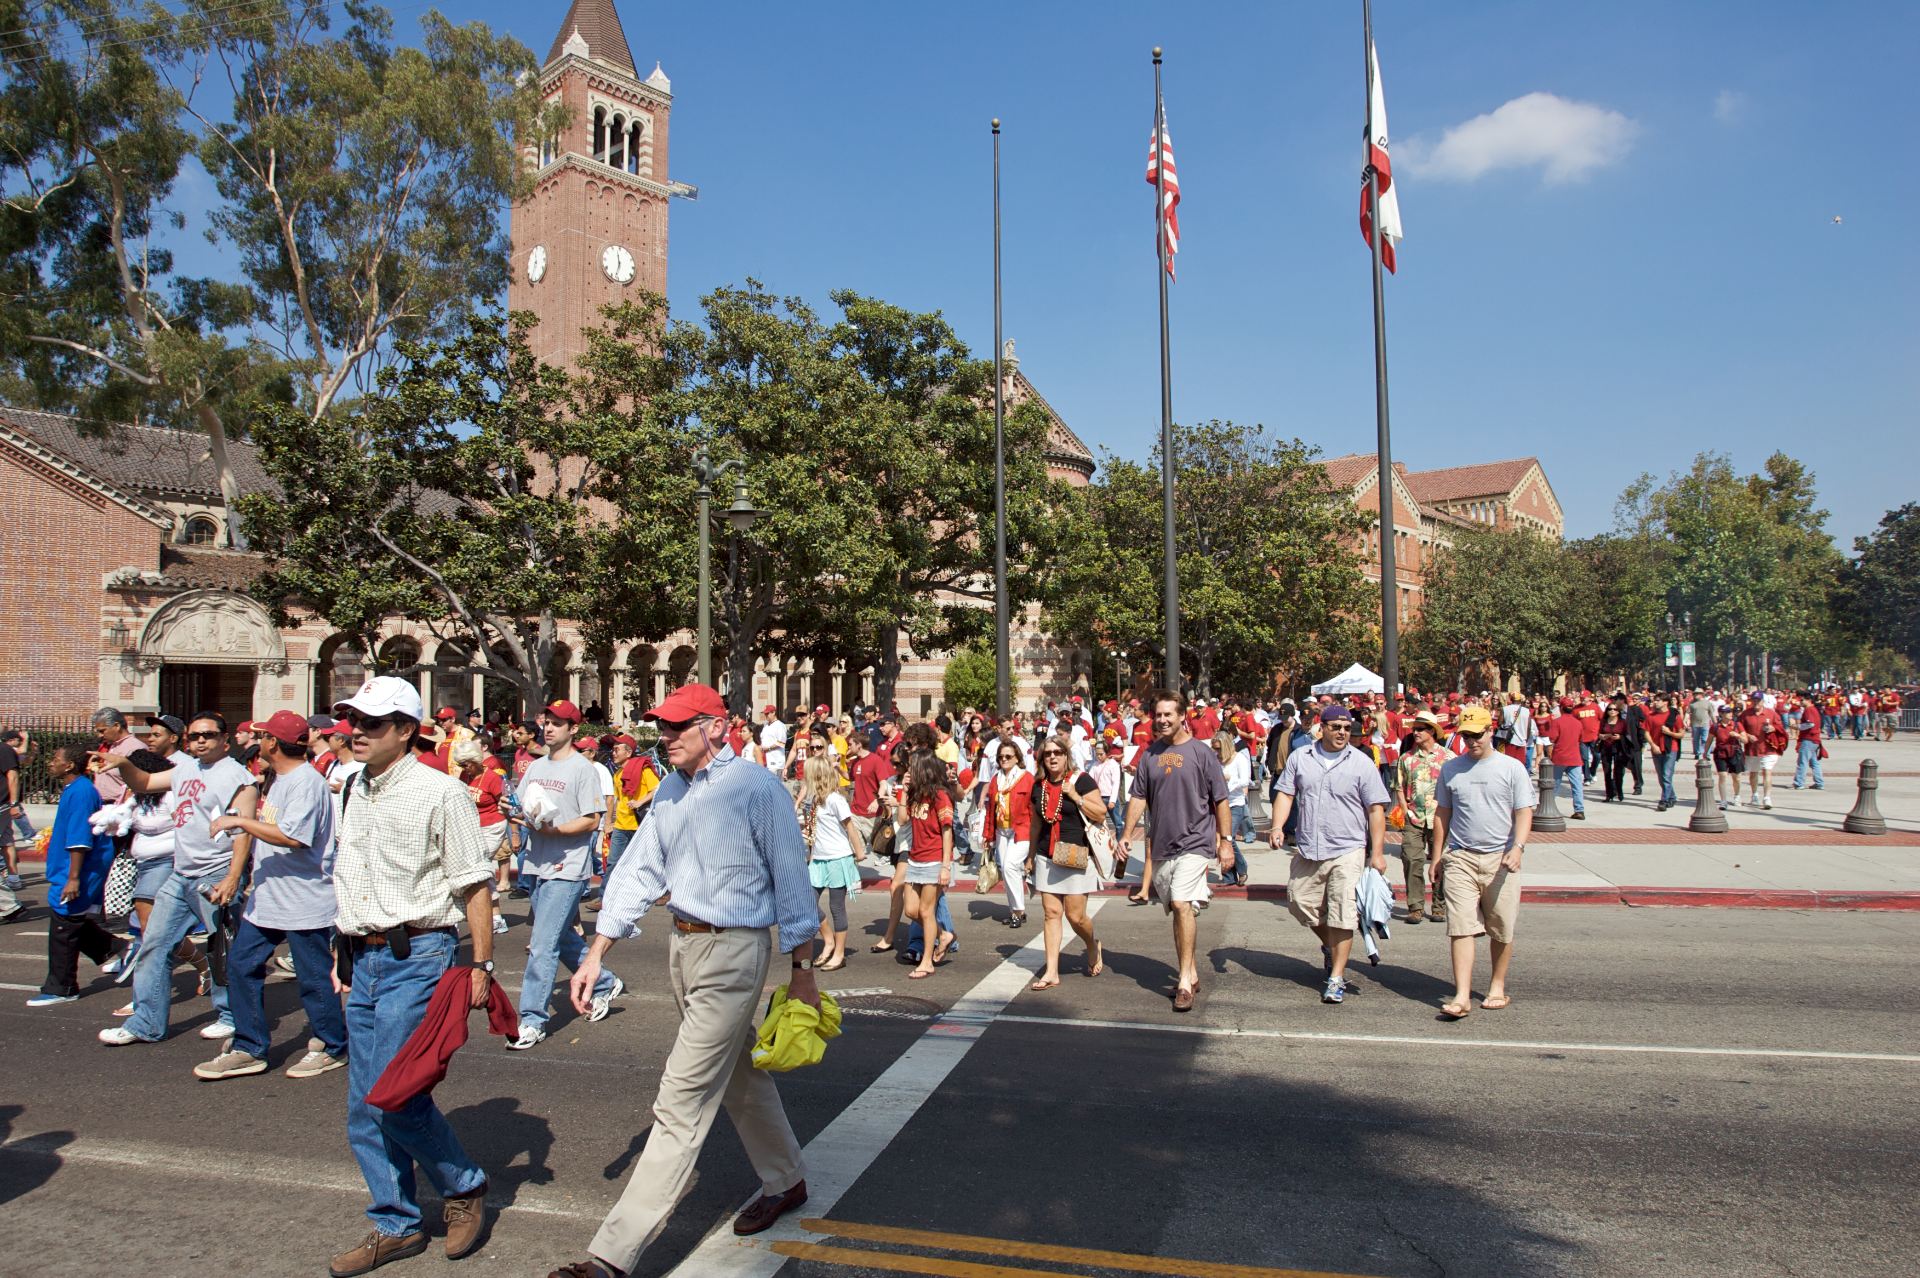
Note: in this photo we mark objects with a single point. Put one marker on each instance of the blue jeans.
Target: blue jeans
(387, 1003)
(1809, 757)
(312, 951)
(916, 939)
(1859, 726)
(556, 908)
(1242, 823)
(618, 845)
(1575, 776)
(181, 906)
(1833, 726)
(1699, 742)
(1663, 768)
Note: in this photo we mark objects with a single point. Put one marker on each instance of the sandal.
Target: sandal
(1098, 965)
(834, 966)
(1451, 1011)
(885, 947)
(1042, 983)
(943, 947)
(1495, 1003)
(919, 974)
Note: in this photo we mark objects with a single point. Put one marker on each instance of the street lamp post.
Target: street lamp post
(740, 517)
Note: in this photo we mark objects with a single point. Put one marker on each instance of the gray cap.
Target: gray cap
(171, 722)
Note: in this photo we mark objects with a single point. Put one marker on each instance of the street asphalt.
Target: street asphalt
(1682, 1091)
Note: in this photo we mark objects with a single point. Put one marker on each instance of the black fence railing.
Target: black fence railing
(35, 785)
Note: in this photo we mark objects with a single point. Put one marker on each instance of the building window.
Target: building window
(200, 531)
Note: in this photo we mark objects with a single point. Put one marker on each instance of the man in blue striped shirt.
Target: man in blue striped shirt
(724, 842)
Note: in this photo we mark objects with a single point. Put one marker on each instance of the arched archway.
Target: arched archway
(338, 674)
(559, 673)
(399, 655)
(642, 661)
(680, 665)
(210, 647)
(450, 689)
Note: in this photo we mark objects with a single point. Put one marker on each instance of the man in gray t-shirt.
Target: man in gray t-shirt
(558, 864)
(292, 901)
(1483, 813)
(1182, 783)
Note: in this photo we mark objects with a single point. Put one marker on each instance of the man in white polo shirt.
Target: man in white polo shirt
(773, 740)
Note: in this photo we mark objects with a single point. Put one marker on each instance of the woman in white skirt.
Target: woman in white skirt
(1009, 827)
(826, 822)
(1065, 803)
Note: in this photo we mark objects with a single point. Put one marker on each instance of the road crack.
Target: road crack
(1412, 1244)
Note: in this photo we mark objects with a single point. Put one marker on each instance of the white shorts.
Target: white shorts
(1181, 880)
(1762, 762)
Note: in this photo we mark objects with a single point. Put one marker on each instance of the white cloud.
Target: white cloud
(1566, 140)
(1730, 106)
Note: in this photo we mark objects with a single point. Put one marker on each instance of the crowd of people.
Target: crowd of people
(365, 840)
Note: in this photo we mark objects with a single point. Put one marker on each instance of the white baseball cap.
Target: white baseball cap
(384, 695)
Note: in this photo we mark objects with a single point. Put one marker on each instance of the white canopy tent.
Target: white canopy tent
(1355, 678)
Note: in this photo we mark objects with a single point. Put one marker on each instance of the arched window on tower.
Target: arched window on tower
(200, 531)
(617, 144)
(633, 148)
(600, 133)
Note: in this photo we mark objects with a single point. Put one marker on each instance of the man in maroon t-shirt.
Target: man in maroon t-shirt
(1588, 713)
(1766, 739)
(1808, 745)
(869, 771)
(1664, 734)
(1568, 766)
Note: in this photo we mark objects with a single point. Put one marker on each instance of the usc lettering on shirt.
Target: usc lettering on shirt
(189, 791)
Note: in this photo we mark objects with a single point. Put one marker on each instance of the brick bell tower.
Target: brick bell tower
(594, 231)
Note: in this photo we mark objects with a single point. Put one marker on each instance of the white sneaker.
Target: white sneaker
(119, 1036)
(219, 1029)
(316, 1062)
(285, 963)
(499, 924)
(230, 1064)
(115, 965)
(1767, 803)
(603, 1003)
(530, 1035)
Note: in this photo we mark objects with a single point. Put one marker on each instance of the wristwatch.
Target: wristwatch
(803, 965)
(485, 965)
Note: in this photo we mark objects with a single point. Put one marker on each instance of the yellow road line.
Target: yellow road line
(1087, 1257)
(898, 1264)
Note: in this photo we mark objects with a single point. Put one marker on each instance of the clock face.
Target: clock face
(537, 263)
(617, 263)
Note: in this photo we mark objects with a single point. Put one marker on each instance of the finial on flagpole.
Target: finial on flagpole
(996, 124)
(1156, 53)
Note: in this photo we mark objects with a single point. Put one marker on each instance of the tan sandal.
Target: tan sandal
(1452, 1011)
(1496, 1003)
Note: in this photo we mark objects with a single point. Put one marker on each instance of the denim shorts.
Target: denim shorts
(153, 874)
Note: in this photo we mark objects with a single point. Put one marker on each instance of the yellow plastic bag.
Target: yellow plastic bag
(794, 1034)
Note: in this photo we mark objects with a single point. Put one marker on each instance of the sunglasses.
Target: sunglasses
(1054, 754)
(370, 723)
(204, 736)
(1337, 725)
(1471, 736)
(681, 725)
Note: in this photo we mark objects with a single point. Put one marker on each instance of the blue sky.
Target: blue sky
(1612, 278)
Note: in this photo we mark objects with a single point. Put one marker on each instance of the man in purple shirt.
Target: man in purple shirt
(1343, 825)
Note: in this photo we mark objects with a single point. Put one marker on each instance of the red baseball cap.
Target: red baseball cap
(284, 725)
(446, 712)
(564, 711)
(588, 743)
(625, 740)
(823, 709)
(688, 702)
(246, 725)
(769, 709)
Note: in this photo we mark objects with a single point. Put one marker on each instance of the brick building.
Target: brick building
(1431, 506)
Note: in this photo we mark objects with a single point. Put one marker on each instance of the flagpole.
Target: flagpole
(1002, 644)
(1389, 582)
(1171, 590)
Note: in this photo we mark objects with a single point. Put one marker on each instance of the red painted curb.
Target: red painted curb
(1636, 897)
(1724, 898)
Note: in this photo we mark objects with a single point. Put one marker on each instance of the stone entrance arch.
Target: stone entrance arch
(209, 647)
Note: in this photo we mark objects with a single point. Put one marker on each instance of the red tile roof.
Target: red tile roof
(600, 27)
(1457, 483)
(205, 569)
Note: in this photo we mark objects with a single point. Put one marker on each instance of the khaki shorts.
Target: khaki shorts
(502, 850)
(1482, 895)
(1181, 880)
(863, 826)
(1762, 762)
(1321, 893)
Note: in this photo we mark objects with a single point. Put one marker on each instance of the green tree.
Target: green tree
(971, 679)
(1270, 583)
(1882, 584)
(480, 493)
(1499, 595)
(361, 187)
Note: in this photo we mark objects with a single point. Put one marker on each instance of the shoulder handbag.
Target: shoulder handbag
(122, 875)
(1067, 856)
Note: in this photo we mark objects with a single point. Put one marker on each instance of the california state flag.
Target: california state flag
(1377, 157)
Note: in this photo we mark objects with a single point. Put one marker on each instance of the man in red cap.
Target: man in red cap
(1568, 766)
(773, 740)
(563, 832)
(724, 847)
(291, 902)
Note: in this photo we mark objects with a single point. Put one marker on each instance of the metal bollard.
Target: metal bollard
(1707, 817)
(1865, 817)
(1547, 817)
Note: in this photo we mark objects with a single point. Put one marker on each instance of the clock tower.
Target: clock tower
(594, 231)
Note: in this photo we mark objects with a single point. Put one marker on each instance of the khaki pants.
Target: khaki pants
(716, 979)
(1414, 841)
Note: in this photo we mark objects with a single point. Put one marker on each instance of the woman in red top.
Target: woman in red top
(1009, 826)
(928, 809)
(485, 786)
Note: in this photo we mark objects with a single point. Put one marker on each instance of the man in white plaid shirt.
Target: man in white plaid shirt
(410, 864)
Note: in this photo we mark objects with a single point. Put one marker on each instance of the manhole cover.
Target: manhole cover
(887, 1003)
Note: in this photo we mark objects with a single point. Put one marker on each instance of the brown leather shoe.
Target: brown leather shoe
(376, 1250)
(1183, 999)
(588, 1268)
(466, 1217)
(767, 1208)
(1416, 916)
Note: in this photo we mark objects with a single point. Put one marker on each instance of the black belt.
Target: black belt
(398, 939)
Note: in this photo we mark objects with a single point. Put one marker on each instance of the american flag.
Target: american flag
(1161, 144)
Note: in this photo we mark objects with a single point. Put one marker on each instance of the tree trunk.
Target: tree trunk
(740, 679)
(886, 667)
(1203, 650)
